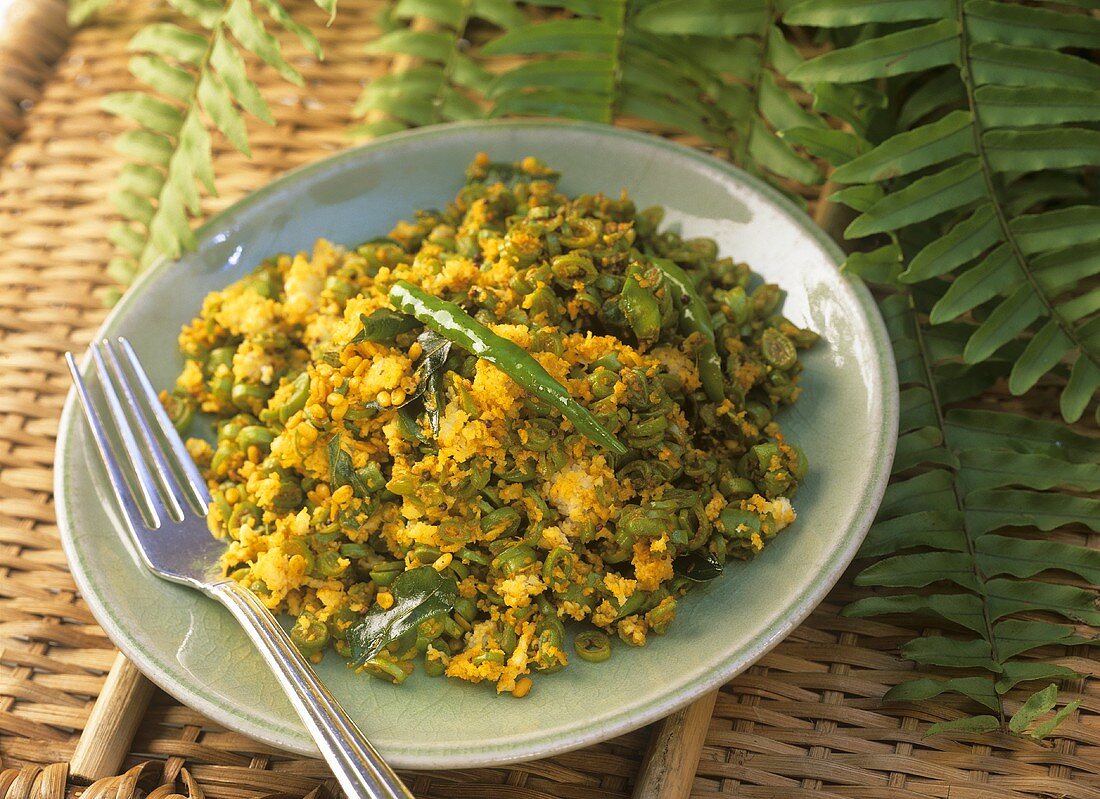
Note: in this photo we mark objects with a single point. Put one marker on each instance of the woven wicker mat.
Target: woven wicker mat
(804, 722)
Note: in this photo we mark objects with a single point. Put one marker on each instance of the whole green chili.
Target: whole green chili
(450, 321)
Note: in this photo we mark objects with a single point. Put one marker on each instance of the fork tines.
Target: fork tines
(162, 482)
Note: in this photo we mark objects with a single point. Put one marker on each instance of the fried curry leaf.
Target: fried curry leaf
(429, 378)
(341, 469)
(383, 326)
(420, 595)
(698, 566)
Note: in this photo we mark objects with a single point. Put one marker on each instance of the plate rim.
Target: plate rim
(885, 374)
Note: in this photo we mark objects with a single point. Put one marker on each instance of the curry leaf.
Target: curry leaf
(383, 326)
(697, 566)
(342, 470)
(419, 595)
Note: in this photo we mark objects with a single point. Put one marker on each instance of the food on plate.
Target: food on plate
(522, 412)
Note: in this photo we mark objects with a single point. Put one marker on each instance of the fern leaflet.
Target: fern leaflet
(200, 76)
(749, 57)
(440, 82)
(997, 132)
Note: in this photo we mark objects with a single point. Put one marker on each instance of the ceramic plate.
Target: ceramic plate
(846, 422)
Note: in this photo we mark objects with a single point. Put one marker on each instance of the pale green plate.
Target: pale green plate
(846, 421)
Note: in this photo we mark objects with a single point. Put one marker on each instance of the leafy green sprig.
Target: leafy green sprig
(440, 82)
(669, 63)
(960, 539)
(197, 79)
(747, 58)
(984, 184)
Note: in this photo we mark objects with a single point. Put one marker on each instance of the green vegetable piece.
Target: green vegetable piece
(331, 563)
(661, 616)
(765, 299)
(466, 608)
(593, 646)
(733, 518)
(254, 434)
(695, 318)
(386, 668)
(419, 595)
(573, 268)
(383, 326)
(450, 321)
(384, 573)
(354, 550)
(500, 523)
(309, 634)
(297, 399)
(640, 306)
(249, 397)
(737, 304)
(551, 640)
(778, 350)
(181, 410)
(372, 477)
(515, 559)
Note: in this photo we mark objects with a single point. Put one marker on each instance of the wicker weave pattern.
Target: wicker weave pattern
(805, 722)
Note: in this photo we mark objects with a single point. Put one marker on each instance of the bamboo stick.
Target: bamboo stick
(114, 720)
(674, 749)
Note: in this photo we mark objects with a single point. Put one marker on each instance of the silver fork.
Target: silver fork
(164, 499)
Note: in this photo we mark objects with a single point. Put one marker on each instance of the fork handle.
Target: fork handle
(359, 768)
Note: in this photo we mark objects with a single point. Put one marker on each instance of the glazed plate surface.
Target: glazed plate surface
(846, 421)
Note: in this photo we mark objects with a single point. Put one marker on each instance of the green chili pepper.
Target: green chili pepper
(695, 318)
(449, 320)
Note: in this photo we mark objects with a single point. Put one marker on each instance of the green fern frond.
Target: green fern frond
(443, 83)
(81, 11)
(200, 76)
(990, 153)
(753, 91)
(958, 538)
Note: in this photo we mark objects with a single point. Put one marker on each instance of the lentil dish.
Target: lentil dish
(522, 411)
